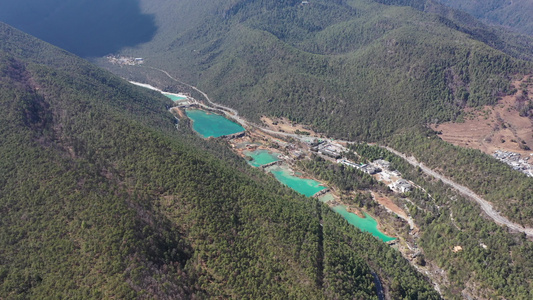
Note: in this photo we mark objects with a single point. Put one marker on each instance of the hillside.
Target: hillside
(517, 14)
(101, 197)
(352, 69)
(356, 70)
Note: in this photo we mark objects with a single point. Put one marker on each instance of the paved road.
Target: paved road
(485, 205)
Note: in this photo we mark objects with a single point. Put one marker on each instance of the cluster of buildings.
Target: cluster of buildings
(516, 161)
(327, 149)
(367, 168)
(384, 167)
(124, 60)
(401, 186)
(380, 166)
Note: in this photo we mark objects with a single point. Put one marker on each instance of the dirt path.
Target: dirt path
(393, 208)
(485, 205)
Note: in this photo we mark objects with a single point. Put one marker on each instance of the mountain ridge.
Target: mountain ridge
(384, 58)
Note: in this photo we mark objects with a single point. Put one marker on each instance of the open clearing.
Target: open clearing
(387, 203)
(498, 127)
(284, 125)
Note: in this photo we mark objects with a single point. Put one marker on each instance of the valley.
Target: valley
(303, 147)
(347, 149)
(280, 144)
(109, 197)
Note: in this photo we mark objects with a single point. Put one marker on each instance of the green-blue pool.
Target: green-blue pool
(261, 157)
(212, 125)
(307, 187)
(175, 97)
(367, 224)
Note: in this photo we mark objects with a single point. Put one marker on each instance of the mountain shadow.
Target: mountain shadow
(87, 28)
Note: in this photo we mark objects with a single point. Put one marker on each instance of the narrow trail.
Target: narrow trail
(485, 205)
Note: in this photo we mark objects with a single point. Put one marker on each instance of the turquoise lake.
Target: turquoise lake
(212, 125)
(175, 97)
(261, 157)
(307, 187)
(367, 224)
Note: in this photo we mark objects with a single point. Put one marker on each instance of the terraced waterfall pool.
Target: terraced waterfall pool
(310, 187)
(261, 157)
(213, 125)
(307, 187)
(175, 97)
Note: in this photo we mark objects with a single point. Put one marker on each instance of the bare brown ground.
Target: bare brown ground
(284, 125)
(387, 202)
(492, 128)
(250, 137)
(178, 111)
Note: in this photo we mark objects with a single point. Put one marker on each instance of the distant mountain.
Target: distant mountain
(101, 197)
(516, 14)
(351, 69)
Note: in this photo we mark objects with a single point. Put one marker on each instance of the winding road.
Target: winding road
(485, 205)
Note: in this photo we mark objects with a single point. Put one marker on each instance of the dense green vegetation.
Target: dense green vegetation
(192, 225)
(353, 69)
(358, 70)
(361, 70)
(368, 70)
(101, 197)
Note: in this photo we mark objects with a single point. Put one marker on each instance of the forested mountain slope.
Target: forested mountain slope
(356, 69)
(516, 14)
(101, 197)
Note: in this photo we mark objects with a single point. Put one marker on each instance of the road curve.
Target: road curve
(485, 205)
(230, 112)
(219, 106)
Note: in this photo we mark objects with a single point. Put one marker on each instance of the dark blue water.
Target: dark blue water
(88, 28)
